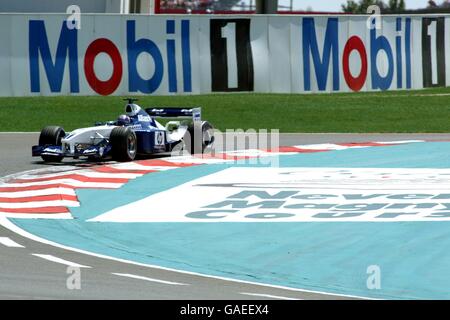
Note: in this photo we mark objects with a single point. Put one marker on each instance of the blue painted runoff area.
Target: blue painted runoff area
(413, 257)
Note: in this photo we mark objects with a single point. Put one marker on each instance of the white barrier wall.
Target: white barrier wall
(133, 54)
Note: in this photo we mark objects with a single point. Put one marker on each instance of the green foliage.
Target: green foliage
(361, 7)
(396, 5)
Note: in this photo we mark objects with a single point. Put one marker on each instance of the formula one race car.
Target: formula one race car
(135, 132)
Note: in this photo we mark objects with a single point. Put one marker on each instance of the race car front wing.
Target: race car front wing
(96, 151)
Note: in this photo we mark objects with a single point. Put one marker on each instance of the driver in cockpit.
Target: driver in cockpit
(123, 120)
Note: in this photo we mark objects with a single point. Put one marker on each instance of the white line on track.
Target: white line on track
(59, 260)
(264, 295)
(322, 146)
(89, 174)
(5, 222)
(10, 243)
(24, 215)
(66, 181)
(39, 204)
(149, 279)
(137, 166)
(399, 142)
(41, 192)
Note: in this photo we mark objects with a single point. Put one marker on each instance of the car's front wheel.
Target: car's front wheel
(51, 136)
(123, 144)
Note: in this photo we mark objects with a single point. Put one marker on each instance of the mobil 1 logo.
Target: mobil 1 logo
(433, 51)
(231, 55)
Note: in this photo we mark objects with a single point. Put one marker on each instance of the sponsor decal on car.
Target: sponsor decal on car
(144, 118)
(159, 138)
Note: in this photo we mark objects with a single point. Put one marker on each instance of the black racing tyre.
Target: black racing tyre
(51, 136)
(207, 138)
(123, 144)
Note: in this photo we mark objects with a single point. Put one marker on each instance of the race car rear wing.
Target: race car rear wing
(176, 113)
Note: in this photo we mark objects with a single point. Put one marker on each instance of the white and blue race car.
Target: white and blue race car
(135, 132)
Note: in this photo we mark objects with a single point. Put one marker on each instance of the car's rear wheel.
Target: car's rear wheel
(51, 136)
(207, 138)
(123, 144)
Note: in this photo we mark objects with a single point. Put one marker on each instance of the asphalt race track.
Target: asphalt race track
(16, 154)
(36, 270)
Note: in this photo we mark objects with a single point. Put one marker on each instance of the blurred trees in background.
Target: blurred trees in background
(360, 7)
(394, 6)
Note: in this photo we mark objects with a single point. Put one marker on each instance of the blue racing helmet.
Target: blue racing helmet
(123, 120)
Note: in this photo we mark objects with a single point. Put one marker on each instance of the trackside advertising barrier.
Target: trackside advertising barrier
(192, 54)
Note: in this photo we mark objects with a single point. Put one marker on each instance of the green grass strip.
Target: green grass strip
(394, 111)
